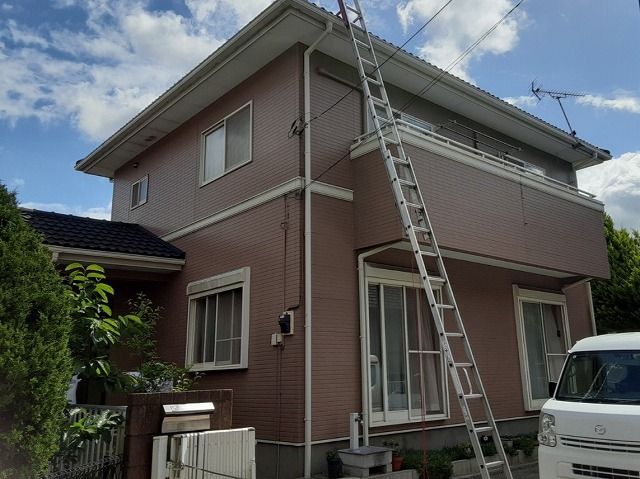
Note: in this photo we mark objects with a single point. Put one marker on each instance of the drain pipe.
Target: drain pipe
(364, 357)
(307, 252)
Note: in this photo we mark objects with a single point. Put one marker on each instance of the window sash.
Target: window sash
(227, 145)
(406, 377)
(219, 321)
(139, 192)
(543, 341)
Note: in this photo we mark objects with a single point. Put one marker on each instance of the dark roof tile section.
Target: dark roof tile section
(101, 235)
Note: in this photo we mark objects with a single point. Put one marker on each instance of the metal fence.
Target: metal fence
(100, 459)
(107, 468)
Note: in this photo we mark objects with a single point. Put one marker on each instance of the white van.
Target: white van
(591, 425)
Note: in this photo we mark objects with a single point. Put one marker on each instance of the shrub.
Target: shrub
(438, 463)
(35, 363)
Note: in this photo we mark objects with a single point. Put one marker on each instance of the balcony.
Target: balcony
(482, 205)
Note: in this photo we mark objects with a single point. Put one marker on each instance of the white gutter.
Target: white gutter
(307, 252)
(364, 351)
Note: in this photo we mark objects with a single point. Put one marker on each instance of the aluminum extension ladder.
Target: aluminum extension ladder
(417, 226)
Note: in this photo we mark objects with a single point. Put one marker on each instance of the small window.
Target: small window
(543, 341)
(219, 322)
(227, 145)
(139, 192)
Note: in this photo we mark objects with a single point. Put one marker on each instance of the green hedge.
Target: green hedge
(35, 365)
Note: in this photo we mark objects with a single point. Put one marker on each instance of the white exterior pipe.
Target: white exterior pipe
(307, 253)
(364, 336)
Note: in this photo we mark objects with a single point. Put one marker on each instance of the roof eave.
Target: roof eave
(113, 260)
(164, 115)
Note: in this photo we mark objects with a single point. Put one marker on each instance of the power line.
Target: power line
(379, 66)
(426, 88)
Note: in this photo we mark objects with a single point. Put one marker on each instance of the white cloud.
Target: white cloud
(124, 57)
(620, 102)
(522, 101)
(97, 212)
(617, 184)
(458, 26)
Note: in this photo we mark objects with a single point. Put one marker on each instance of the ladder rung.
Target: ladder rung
(480, 430)
(373, 80)
(420, 229)
(454, 335)
(474, 396)
(378, 101)
(395, 159)
(463, 365)
(408, 183)
(370, 63)
(362, 44)
(493, 464)
(430, 254)
(445, 306)
(416, 206)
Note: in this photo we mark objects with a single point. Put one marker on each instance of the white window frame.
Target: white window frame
(238, 279)
(136, 189)
(222, 125)
(523, 295)
(386, 277)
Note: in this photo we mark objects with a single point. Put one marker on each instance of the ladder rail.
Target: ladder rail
(362, 46)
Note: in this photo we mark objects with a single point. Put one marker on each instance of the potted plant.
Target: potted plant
(396, 455)
(334, 464)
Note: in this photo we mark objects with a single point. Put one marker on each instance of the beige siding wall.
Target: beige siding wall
(176, 197)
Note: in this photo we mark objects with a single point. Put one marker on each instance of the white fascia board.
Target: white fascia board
(293, 185)
(108, 259)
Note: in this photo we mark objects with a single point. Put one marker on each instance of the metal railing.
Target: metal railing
(504, 163)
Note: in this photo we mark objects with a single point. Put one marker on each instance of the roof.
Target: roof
(288, 22)
(109, 243)
(619, 341)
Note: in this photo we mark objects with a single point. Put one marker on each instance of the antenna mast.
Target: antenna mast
(539, 93)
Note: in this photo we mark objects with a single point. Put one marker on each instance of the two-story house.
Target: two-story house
(260, 166)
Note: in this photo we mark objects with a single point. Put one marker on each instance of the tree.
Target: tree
(35, 364)
(616, 301)
(94, 329)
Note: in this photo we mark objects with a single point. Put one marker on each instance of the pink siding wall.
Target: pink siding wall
(477, 212)
(173, 164)
(267, 395)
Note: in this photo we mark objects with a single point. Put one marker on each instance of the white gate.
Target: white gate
(228, 453)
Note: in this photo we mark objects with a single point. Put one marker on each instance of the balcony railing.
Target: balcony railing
(508, 162)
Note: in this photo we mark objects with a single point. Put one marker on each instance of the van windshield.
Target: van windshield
(601, 376)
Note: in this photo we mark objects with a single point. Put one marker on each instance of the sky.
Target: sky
(74, 71)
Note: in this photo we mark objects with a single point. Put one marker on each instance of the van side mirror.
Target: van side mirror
(552, 388)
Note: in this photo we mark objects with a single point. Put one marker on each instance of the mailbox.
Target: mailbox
(187, 417)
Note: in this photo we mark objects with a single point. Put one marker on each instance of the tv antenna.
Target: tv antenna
(539, 93)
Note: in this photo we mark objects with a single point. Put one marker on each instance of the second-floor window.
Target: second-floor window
(227, 145)
(139, 192)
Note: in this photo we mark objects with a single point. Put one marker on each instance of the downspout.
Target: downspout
(307, 252)
(364, 336)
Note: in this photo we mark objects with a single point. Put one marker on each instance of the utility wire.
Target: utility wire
(426, 88)
(461, 57)
(379, 66)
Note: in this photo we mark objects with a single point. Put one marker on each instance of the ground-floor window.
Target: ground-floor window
(543, 341)
(406, 376)
(218, 327)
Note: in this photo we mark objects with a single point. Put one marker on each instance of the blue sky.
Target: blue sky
(73, 71)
